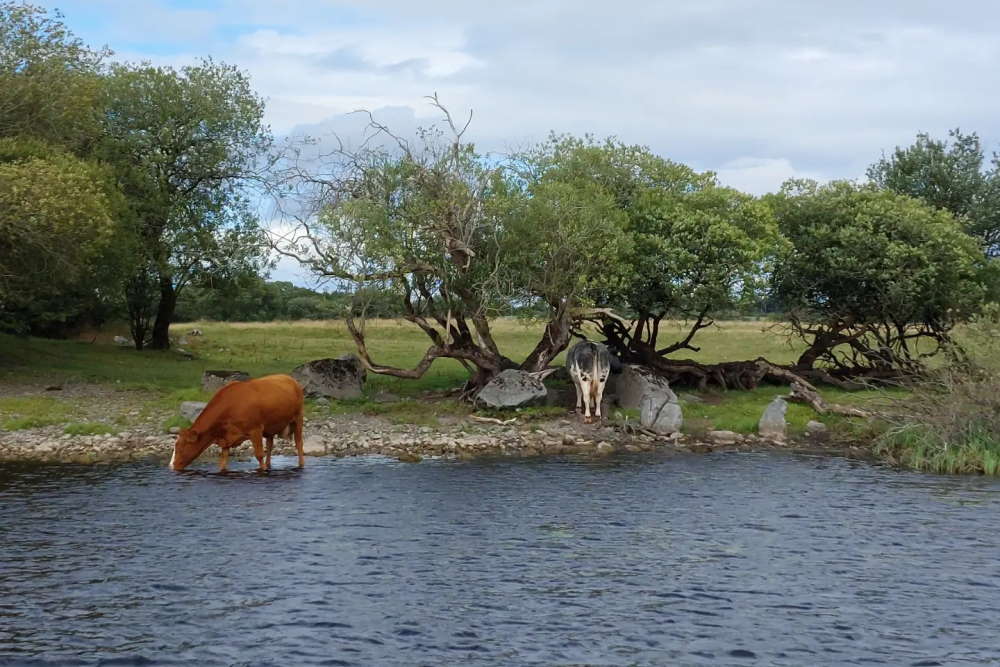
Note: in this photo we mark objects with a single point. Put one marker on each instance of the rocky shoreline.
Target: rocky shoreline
(359, 435)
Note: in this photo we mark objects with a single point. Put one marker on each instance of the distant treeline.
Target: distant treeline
(264, 301)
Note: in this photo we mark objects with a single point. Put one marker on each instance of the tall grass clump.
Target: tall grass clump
(950, 423)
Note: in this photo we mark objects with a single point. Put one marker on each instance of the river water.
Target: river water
(736, 559)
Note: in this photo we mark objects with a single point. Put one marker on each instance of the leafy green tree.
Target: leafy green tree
(694, 249)
(948, 174)
(458, 237)
(61, 241)
(61, 217)
(185, 144)
(49, 80)
(872, 281)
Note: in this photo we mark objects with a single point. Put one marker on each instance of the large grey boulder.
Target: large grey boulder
(772, 423)
(215, 380)
(658, 413)
(512, 389)
(343, 377)
(191, 409)
(635, 382)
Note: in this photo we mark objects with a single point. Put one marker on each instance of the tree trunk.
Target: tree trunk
(554, 340)
(164, 314)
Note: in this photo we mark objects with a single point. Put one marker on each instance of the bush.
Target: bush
(951, 421)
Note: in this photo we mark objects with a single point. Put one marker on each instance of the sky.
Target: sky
(756, 90)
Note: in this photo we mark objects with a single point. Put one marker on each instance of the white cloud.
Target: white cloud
(759, 175)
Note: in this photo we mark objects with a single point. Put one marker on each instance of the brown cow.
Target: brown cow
(254, 410)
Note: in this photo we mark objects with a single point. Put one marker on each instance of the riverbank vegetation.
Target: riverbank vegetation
(131, 193)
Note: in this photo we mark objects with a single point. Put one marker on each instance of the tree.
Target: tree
(185, 145)
(458, 237)
(873, 281)
(49, 80)
(695, 248)
(61, 216)
(950, 175)
(60, 240)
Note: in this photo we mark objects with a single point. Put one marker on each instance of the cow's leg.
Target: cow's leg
(257, 438)
(223, 458)
(600, 383)
(585, 390)
(298, 440)
(270, 446)
(579, 391)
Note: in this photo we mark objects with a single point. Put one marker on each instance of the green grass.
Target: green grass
(740, 411)
(175, 421)
(90, 428)
(278, 347)
(22, 412)
(922, 449)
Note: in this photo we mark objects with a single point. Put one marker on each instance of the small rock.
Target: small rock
(122, 341)
(323, 401)
(174, 430)
(313, 446)
(54, 387)
(815, 429)
(409, 457)
(568, 440)
(723, 437)
(772, 423)
(215, 380)
(659, 414)
(191, 409)
(604, 448)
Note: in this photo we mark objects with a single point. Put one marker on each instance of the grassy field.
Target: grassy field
(277, 347)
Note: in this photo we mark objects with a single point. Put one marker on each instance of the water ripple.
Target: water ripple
(732, 559)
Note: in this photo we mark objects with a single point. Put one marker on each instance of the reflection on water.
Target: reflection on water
(720, 559)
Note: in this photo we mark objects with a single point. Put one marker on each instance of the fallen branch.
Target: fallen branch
(802, 392)
(493, 420)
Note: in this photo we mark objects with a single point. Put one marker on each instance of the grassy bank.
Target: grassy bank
(164, 379)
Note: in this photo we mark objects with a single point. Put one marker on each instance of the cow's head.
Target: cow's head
(187, 448)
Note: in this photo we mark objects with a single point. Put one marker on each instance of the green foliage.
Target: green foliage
(175, 421)
(255, 300)
(49, 80)
(565, 241)
(61, 240)
(945, 175)
(23, 412)
(684, 246)
(872, 269)
(951, 175)
(184, 144)
(950, 422)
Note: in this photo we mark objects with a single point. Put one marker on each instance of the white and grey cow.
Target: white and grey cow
(589, 365)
